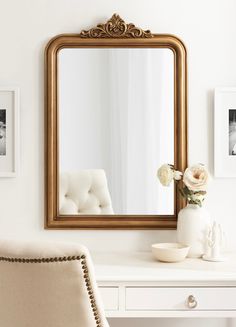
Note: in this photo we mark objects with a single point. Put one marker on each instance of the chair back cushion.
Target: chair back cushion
(48, 285)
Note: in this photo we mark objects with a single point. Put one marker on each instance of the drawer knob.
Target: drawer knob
(191, 302)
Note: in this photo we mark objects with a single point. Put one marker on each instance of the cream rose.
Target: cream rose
(165, 174)
(196, 178)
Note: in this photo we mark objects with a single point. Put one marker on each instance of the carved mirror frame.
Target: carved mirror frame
(114, 33)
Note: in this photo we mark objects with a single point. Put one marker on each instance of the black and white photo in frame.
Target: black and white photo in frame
(225, 132)
(232, 132)
(2, 132)
(9, 137)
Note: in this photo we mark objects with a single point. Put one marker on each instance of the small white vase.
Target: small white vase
(192, 226)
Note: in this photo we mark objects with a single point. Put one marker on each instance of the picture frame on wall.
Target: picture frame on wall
(225, 132)
(9, 131)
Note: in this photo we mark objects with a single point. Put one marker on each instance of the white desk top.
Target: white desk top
(142, 267)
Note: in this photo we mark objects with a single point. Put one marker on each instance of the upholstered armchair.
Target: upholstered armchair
(48, 285)
(84, 192)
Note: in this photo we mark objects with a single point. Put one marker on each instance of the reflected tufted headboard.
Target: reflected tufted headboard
(84, 192)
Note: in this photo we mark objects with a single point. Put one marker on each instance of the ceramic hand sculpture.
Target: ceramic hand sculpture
(214, 242)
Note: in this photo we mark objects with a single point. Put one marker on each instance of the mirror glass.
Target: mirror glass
(116, 127)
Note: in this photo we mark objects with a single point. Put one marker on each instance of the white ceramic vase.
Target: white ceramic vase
(192, 226)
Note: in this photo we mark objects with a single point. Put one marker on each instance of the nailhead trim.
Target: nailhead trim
(90, 291)
(63, 259)
(41, 260)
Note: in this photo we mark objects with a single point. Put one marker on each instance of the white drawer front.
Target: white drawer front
(110, 298)
(157, 298)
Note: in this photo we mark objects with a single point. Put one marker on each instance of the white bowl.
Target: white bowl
(170, 252)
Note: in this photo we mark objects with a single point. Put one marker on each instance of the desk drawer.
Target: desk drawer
(110, 298)
(176, 298)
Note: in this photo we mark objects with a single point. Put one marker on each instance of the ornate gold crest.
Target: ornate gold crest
(116, 27)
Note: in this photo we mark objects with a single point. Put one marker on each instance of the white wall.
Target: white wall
(208, 29)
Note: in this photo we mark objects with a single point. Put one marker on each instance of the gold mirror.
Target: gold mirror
(116, 109)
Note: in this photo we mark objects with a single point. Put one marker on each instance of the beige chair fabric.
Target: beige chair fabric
(85, 192)
(48, 285)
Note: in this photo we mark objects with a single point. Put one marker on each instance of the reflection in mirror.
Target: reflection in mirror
(116, 127)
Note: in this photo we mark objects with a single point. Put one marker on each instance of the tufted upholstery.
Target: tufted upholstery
(48, 285)
(84, 192)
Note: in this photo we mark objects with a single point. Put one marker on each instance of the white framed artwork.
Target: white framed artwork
(9, 131)
(225, 132)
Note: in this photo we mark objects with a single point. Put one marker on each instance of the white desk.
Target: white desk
(135, 285)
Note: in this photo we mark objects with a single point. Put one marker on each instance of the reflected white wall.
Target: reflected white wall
(116, 113)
